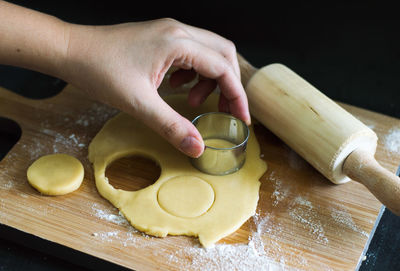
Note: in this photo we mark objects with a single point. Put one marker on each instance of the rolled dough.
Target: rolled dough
(218, 161)
(186, 196)
(56, 174)
(218, 143)
(183, 201)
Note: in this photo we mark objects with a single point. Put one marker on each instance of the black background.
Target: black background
(348, 50)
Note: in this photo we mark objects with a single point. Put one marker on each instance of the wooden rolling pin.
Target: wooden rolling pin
(332, 140)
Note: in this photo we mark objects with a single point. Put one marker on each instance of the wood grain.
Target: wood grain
(308, 222)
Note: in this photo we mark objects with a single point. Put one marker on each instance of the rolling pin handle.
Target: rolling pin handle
(362, 167)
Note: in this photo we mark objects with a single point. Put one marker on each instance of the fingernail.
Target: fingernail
(248, 122)
(191, 146)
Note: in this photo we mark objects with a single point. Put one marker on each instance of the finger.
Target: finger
(181, 77)
(199, 92)
(211, 64)
(218, 43)
(223, 104)
(236, 98)
(177, 130)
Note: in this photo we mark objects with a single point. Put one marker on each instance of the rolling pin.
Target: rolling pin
(332, 140)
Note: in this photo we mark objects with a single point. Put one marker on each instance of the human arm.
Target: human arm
(123, 65)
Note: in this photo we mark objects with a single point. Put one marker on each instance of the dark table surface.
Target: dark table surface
(349, 51)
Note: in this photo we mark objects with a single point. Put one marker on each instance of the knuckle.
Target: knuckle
(172, 28)
(168, 20)
(230, 47)
(225, 65)
(169, 130)
(230, 44)
(175, 31)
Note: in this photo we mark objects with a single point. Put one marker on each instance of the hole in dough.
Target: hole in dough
(133, 173)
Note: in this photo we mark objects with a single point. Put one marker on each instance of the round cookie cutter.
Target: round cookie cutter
(225, 138)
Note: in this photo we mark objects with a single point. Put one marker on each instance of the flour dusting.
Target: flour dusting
(303, 211)
(62, 136)
(7, 185)
(280, 191)
(97, 113)
(106, 236)
(130, 238)
(258, 254)
(110, 217)
(344, 218)
(392, 140)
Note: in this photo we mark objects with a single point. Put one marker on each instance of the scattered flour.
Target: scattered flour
(7, 185)
(59, 144)
(258, 254)
(73, 138)
(392, 140)
(69, 141)
(106, 236)
(280, 191)
(110, 217)
(344, 218)
(262, 252)
(25, 196)
(35, 149)
(62, 143)
(130, 238)
(97, 113)
(126, 239)
(303, 211)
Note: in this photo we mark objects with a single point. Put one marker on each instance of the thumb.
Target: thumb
(176, 129)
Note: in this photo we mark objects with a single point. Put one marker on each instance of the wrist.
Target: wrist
(76, 52)
(60, 56)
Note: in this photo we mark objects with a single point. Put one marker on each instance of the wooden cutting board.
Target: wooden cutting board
(303, 221)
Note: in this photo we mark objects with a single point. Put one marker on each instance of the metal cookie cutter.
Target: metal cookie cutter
(225, 138)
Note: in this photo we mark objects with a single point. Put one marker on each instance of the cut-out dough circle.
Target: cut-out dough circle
(186, 196)
(235, 195)
(56, 174)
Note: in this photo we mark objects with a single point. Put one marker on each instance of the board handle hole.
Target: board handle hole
(30, 84)
(133, 173)
(10, 133)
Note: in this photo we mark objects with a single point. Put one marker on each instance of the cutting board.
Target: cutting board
(303, 221)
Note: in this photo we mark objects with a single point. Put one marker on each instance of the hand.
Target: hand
(123, 65)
